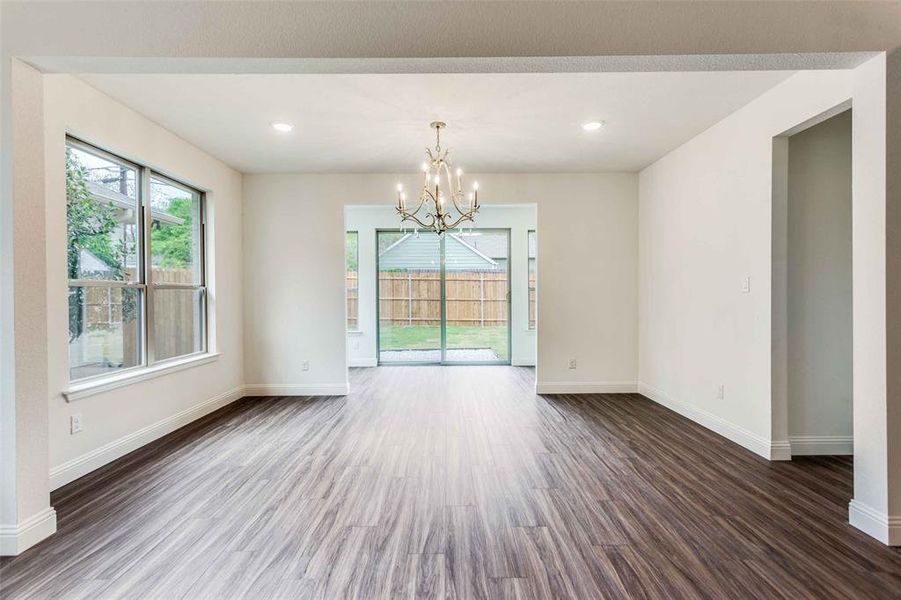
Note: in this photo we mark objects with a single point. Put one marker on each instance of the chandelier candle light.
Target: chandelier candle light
(436, 172)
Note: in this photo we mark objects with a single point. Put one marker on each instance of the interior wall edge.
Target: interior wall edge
(16, 539)
(875, 523)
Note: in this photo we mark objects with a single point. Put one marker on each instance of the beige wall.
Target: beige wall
(819, 361)
(111, 419)
(587, 235)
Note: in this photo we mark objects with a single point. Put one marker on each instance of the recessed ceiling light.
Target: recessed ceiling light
(592, 125)
(283, 127)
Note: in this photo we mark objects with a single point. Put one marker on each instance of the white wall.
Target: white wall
(587, 297)
(119, 420)
(705, 224)
(27, 516)
(361, 344)
(819, 332)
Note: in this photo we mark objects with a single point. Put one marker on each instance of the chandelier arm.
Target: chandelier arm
(463, 217)
(457, 204)
(426, 196)
(408, 217)
(422, 201)
(456, 195)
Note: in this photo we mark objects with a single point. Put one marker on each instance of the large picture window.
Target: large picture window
(135, 261)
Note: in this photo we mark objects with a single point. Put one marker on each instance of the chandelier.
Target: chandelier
(445, 205)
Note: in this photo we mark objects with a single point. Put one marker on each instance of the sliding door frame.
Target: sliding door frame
(443, 301)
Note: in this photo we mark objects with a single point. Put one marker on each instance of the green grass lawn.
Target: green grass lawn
(400, 337)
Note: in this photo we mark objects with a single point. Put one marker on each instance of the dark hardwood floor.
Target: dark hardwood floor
(458, 483)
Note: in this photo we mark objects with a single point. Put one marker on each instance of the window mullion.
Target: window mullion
(146, 267)
(205, 316)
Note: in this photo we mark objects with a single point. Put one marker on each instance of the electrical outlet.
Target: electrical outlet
(720, 392)
(75, 423)
(746, 285)
(305, 365)
(572, 363)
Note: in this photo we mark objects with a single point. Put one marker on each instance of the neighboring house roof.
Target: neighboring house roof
(123, 202)
(493, 246)
(88, 262)
(420, 252)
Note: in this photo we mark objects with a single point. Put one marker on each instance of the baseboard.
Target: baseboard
(586, 387)
(362, 362)
(780, 450)
(522, 362)
(875, 523)
(16, 539)
(296, 389)
(823, 445)
(747, 439)
(82, 465)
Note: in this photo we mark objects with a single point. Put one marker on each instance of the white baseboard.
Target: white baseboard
(296, 389)
(522, 362)
(810, 445)
(731, 431)
(16, 539)
(362, 362)
(586, 387)
(780, 450)
(82, 465)
(875, 523)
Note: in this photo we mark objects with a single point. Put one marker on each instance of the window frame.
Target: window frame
(346, 297)
(143, 281)
(148, 269)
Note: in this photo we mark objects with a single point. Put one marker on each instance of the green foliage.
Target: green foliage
(88, 225)
(88, 222)
(173, 244)
(351, 250)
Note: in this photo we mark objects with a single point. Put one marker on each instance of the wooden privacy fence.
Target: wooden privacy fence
(414, 298)
(353, 300)
(177, 315)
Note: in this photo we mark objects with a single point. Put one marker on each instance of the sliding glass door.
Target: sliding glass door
(444, 299)
(476, 297)
(409, 297)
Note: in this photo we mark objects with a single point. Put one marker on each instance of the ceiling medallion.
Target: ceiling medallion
(439, 193)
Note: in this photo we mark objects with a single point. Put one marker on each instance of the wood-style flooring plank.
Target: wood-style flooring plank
(454, 482)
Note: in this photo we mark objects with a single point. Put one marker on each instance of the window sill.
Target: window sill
(98, 386)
